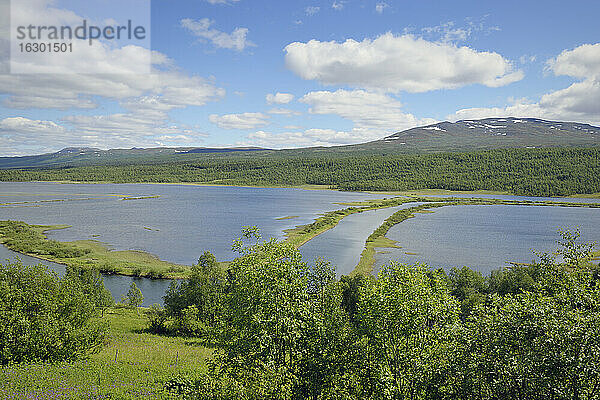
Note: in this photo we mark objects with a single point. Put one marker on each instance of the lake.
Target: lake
(343, 244)
(178, 226)
(185, 220)
(485, 237)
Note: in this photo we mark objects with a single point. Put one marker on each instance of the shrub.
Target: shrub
(44, 317)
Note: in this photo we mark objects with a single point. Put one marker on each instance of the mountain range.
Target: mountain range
(460, 136)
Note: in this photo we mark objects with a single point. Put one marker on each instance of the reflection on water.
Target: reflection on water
(178, 226)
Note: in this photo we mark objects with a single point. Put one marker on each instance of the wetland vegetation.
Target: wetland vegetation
(90, 254)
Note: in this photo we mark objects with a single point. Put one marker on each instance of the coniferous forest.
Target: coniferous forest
(540, 172)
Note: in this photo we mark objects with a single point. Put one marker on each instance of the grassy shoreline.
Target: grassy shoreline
(31, 240)
(303, 233)
(416, 192)
(305, 187)
(143, 264)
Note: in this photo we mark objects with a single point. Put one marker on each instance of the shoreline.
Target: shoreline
(416, 192)
(377, 239)
(31, 240)
(301, 234)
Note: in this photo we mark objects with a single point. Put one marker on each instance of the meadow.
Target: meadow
(133, 364)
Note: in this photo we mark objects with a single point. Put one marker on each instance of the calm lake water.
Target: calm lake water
(343, 244)
(485, 237)
(178, 226)
(186, 220)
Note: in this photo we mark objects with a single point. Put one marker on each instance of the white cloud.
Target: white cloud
(527, 59)
(338, 5)
(64, 91)
(239, 121)
(578, 102)
(379, 7)
(283, 111)
(146, 99)
(448, 32)
(398, 63)
(19, 135)
(306, 138)
(581, 62)
(456, 32)
(374, 114)
(279, 98)
(312, 10)
(25, 125)
(201, 28)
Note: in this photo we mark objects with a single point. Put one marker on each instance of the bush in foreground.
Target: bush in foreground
(285, 331)
(44, 317)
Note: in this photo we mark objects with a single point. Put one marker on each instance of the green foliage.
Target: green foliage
(573, 252)
(541, 172)
(133, 364)
(468, 287)
(195, 301)
(533, 346)
(46, 318)
(351, 286)
(286, 331)
(134, 297)
(407, 317)
(156, 318)
(92, 286)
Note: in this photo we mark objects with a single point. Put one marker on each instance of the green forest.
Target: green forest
(269, 326)
(540, 172)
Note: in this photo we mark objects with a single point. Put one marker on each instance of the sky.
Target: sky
(283, 74)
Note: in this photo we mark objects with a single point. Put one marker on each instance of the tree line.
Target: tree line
(540, 172)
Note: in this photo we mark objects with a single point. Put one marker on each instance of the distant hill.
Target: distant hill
(77, 156)
(460, 136)
(489, 133)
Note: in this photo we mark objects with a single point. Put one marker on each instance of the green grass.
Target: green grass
(144, 362)
(31, 240)
(587, 196)
(301, 234)
(288, 217)
(444, 192)
(367, 257)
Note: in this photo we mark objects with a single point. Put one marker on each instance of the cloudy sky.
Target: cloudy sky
(301, 73)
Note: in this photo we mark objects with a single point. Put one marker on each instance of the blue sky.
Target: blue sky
(291, 74)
